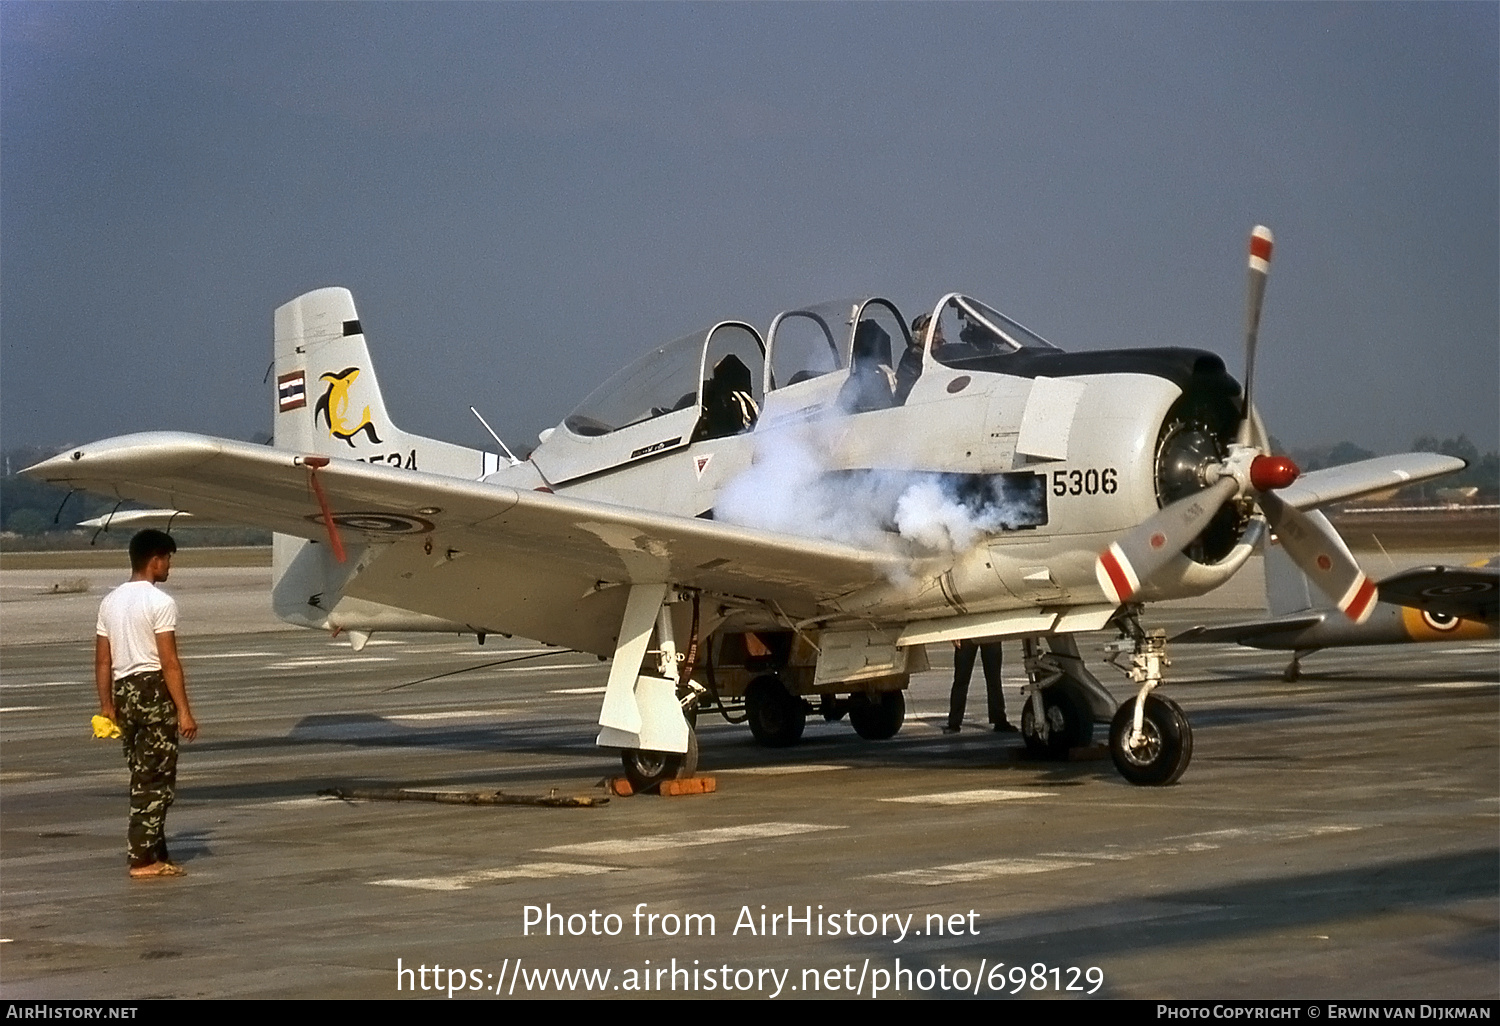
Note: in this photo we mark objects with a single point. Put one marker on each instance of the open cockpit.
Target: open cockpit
(851, 356)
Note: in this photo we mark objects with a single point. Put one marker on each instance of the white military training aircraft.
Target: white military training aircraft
(784, 518)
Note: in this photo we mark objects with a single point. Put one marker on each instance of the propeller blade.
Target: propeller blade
(1321, 554)
(1261, 243)
(1141, 552)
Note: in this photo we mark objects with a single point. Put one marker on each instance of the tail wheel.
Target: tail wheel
(1070, 723)
(777, 717)
(877, 716)
(1164, 749)
(645, 769)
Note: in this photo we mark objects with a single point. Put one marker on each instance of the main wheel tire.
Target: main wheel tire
(1070, 723)
(1164, 751)
(878, 716)
(777, 717)
(645, 769)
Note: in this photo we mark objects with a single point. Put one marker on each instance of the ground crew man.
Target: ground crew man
(141, 688)
(963, 668)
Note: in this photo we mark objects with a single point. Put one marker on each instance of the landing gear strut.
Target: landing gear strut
(1060, 699)
(651, 717)
(1293, 669)
(1149, 739)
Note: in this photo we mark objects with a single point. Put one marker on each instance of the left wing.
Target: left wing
(494, 557)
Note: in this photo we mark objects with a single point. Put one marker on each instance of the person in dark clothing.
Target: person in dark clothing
(910, 367)
(963, 669)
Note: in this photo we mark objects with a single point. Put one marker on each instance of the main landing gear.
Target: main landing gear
(1150, 740)
(651, 718)
(1062, 699)
(646, 769)
(778, 717)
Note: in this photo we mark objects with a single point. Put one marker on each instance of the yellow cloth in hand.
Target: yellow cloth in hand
(104, 727)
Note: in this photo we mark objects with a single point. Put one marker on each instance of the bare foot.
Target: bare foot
(157, 869)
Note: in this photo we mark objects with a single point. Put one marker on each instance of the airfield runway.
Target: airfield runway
(1333, 838)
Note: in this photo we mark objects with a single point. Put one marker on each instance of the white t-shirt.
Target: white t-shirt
(131, 617)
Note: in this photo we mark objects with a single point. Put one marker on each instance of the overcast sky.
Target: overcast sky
(523, 197)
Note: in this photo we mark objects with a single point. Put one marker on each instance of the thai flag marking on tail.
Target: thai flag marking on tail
(291, 391)
(1116, 576)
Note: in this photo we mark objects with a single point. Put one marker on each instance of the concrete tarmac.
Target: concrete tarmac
(1333, 838)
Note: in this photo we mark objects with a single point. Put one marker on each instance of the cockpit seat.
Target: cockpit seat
(871, 381)
(728, 401)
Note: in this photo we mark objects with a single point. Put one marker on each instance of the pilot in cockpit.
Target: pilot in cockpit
(910, 368)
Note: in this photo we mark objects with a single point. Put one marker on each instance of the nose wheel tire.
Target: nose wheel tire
(1070, 723)
(1159, 756)
(877, 716)
(777, 717)
(645, 769)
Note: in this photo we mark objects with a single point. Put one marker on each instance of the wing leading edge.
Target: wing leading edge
(497, 528)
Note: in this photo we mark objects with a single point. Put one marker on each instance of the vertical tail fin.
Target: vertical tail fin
(327, 401)
(1287, 588)
(328, 398)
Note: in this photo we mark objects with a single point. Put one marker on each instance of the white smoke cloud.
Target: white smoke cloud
(792, 487)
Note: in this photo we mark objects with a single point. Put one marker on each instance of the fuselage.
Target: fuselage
(1035, 459)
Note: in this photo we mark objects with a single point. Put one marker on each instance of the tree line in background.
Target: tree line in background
(1482, 473)
(29, 509)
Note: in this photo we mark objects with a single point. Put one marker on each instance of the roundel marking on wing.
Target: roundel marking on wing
(1462, 588)
(377, 522)
(1440, 621)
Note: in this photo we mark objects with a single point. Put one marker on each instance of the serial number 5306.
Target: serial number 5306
(1085, 482)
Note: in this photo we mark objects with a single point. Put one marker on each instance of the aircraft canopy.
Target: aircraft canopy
(966, 328)
(672, 377)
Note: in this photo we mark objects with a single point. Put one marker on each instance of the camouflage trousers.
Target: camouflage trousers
(148, 728)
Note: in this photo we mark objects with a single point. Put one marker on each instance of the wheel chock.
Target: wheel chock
(692, 785)
(620, 787)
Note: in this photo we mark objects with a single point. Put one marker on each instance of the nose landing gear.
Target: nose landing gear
(1150, 739)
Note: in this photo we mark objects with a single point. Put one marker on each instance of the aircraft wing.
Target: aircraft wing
(1472, 593)
(1243, 632)
(456, 548)
(1336, 484)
